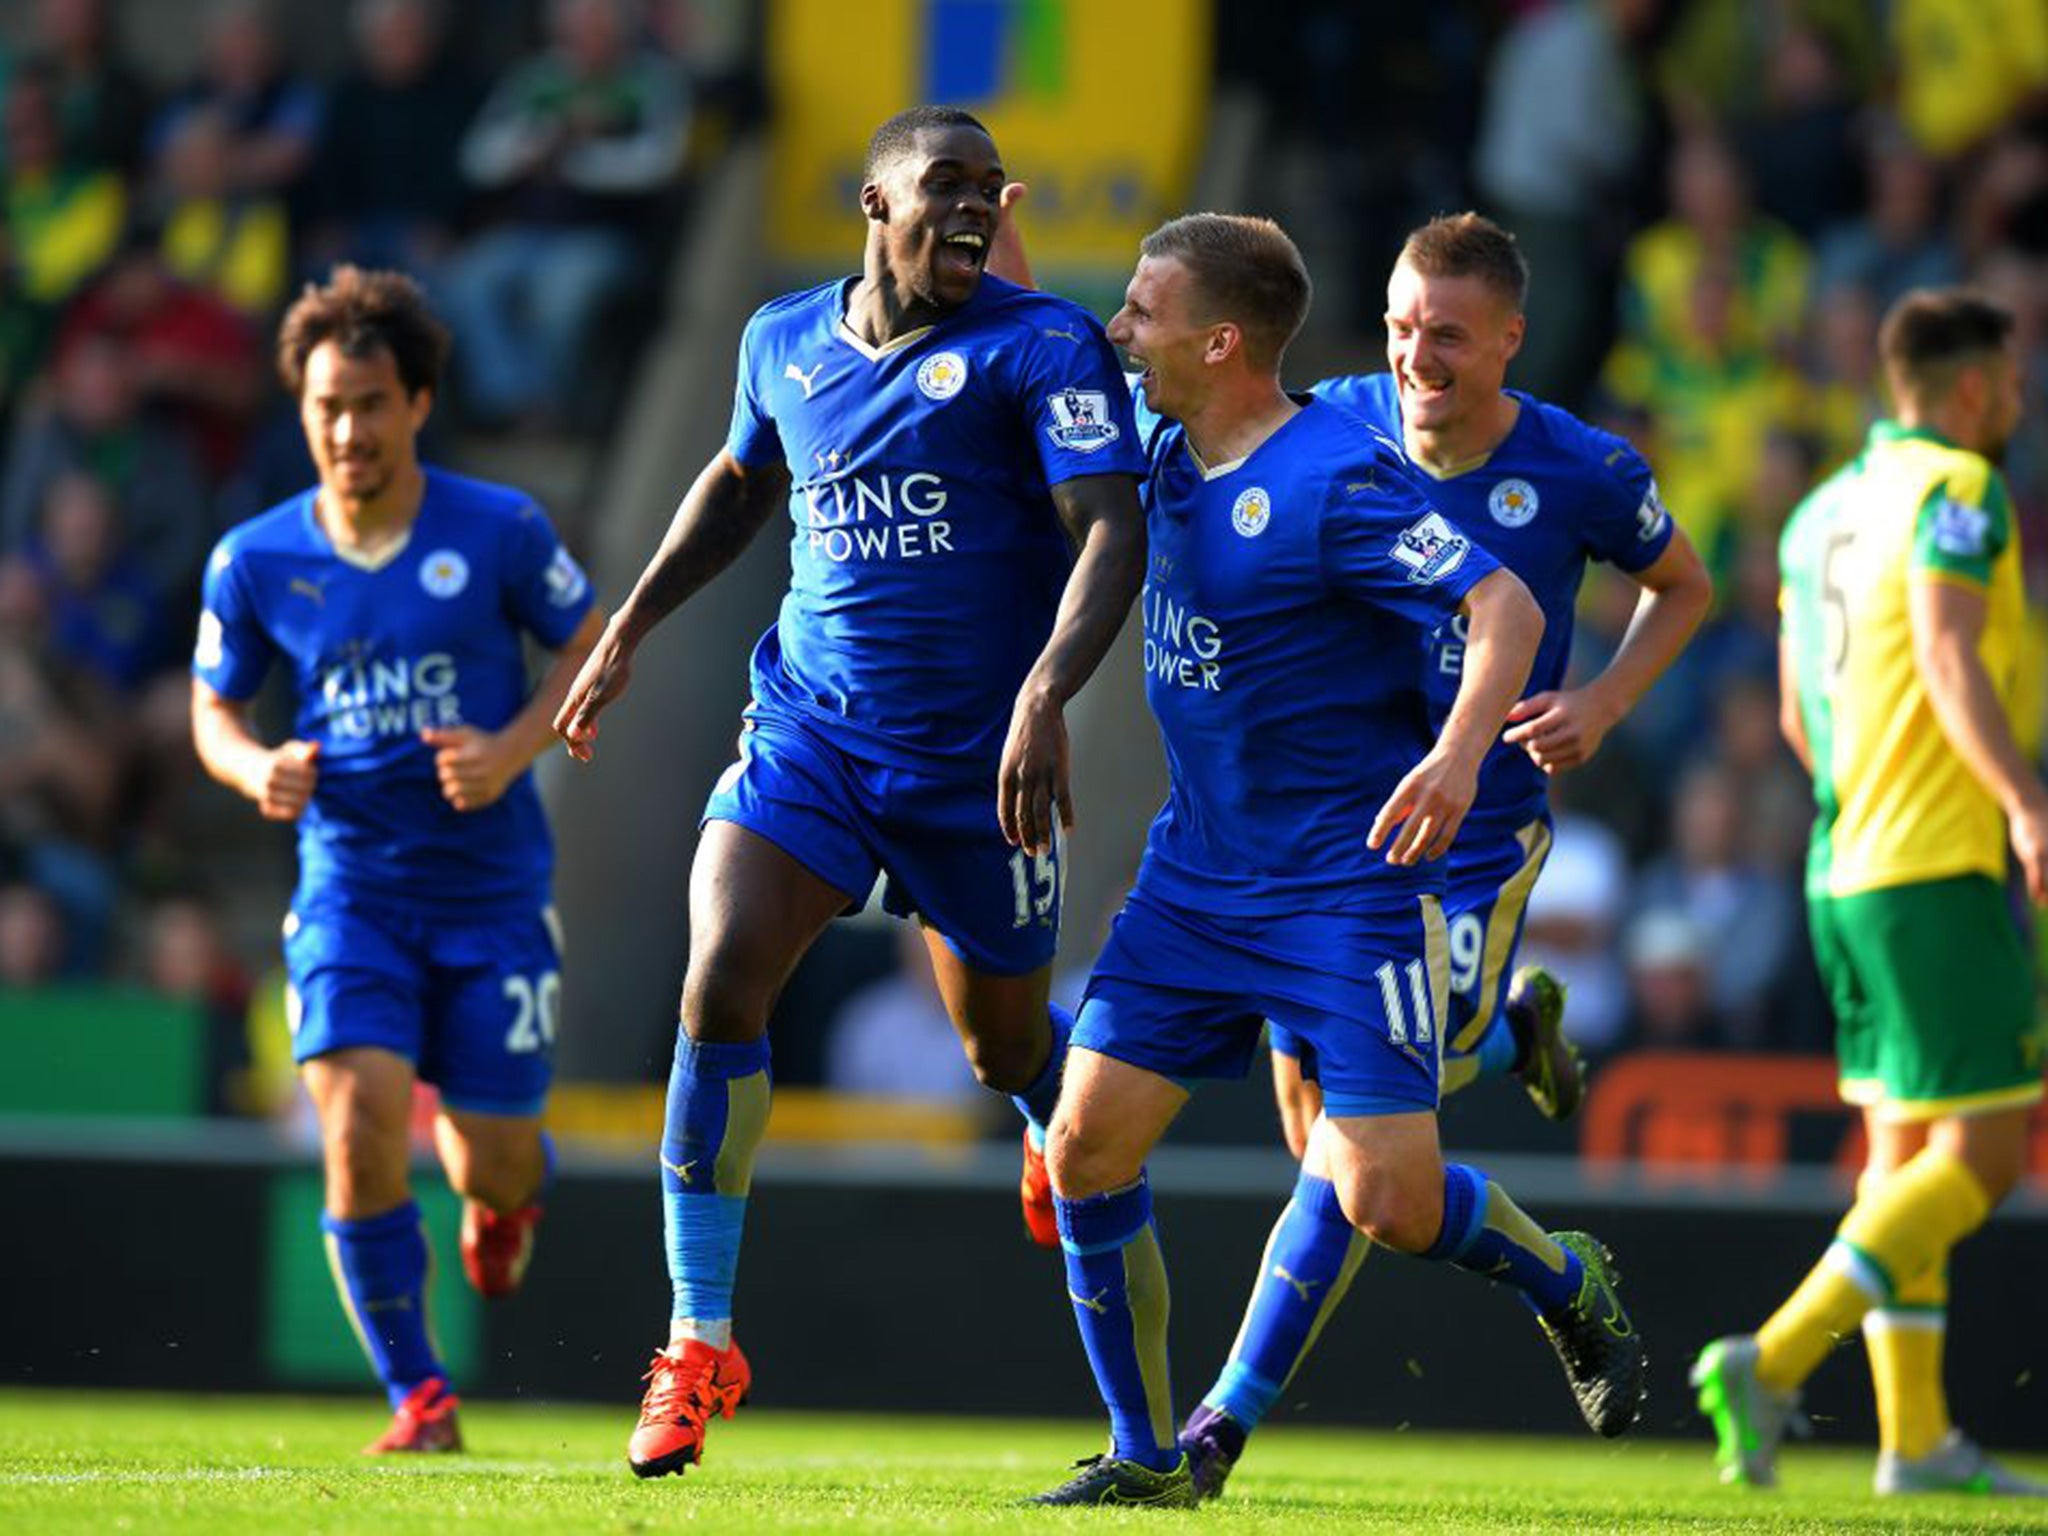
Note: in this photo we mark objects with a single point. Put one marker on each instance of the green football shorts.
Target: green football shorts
(1935, 1007)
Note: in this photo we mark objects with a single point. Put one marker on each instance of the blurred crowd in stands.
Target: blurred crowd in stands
(526, 162)
(1719, 198)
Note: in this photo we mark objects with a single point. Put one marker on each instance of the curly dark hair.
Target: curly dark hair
(362, 313)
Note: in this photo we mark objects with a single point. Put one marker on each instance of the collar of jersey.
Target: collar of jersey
(348, 554)
(1231, 466)
(866, 348)
(1478, 460)
(1890, 431)
(873, 353)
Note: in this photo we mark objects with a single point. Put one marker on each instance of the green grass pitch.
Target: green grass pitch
(104, 1462)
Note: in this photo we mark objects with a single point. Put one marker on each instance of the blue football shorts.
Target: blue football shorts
(1185, 994)
(1486, 899)
(935, 837)
(475, 1006)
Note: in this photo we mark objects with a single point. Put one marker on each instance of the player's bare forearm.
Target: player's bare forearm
(280, 780)
(1503, 628)
(1563, 728)
(1948, 620)
(226, 743)
(1102, 515)
(1677, 591)
(531, 732)
(1791, 718)
(717, 519)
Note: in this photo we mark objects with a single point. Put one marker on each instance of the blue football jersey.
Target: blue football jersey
(926, 558)
(430, 637)
(1555, 493)
(1285, 601)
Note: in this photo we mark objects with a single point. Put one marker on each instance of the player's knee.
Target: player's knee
(503, 1180)
(366, 1175)
(1006, 1066)
(723, 1003)
(1391, 1211)
(1082, 1161)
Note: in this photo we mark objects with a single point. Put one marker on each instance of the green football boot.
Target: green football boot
(1750, 1419)
(1957, 1465)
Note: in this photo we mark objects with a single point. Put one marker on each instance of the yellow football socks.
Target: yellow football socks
(1905, 1341)
(1893, 1235)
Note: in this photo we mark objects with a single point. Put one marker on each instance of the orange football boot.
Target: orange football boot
(496, 1249)
(686, 1384)
(1036, 1192)
(424, 1423)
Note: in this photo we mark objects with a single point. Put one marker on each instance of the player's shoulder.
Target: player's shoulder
(483, 502)
(1356, 465)
(796, 311)
(1572, 446)
(1372, 397)
(284, 529)
(1003, 306)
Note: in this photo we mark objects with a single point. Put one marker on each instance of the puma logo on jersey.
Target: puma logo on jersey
(1073, 336)
(681, 1170)
(1614, 458)
(300, 587)
(1371, 482)
(1098, 1304)
(791, 371)
(1302, 1288)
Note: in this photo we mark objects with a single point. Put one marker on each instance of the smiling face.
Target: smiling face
(936, 209)
(1161, 337)
(360, 422)
(1449, 340)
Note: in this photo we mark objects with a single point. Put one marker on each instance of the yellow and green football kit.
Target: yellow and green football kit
(1932, 990)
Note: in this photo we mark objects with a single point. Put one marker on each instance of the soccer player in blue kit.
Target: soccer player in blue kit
(959, 462)
(1293, 573)
(420, 943)
(1542, 493)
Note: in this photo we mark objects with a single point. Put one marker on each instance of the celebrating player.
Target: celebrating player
(938, 436)
(1541, 492)
(1294, 573)
(420, 943)
(1904, 619)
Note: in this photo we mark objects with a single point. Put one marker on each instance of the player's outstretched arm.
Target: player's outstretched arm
(1563, 728)
(1948, 621)
(1102, 516)
(717, 519)
(476, 767)
(279, 779)
(1504, 626)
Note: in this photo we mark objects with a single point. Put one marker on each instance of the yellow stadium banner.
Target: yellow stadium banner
(1100, 107)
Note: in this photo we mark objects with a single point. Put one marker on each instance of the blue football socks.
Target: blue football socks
(1309, 1263)
(1486, 1232)
(1116, 1279)
(380, 1268)
(1039, 1100)
(717, 1115)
